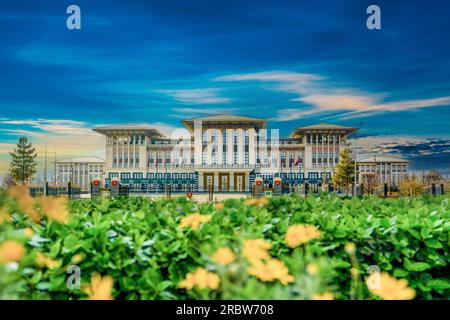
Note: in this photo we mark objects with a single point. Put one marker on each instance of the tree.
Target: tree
(432, 177)
(411, 186)
(23, 162)
(345, 169)
(7, 181)
(370, 181)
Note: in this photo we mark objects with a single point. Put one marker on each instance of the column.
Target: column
(322, 151)
(317, 148)
(230, 145)
(208, 147)
(216, 181)
(240, 146)
(251, 147)
(231, 181)
(219, 146)
(334, 150)
(197, 143)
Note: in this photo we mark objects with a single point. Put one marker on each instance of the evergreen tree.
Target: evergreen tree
(23, 162)
(345, 170)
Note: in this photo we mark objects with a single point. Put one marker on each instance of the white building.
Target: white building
(224, 151)
(385, 169)
(80, 171)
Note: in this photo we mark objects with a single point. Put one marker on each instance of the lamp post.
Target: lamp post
(356, 164)
(356, 160)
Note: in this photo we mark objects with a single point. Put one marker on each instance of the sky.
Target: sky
(293, 63)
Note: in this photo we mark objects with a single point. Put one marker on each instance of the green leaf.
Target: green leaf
(439, 284)
(71, 243)
(417, 266)
(400, 273)
(433, 243)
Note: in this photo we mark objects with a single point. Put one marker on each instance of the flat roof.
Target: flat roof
(226, 119)
(381, 158)
(322, 127)
(129, 128)
(82, 159)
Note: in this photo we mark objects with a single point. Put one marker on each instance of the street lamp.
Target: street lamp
(356, 160)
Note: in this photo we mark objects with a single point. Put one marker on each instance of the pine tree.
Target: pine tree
(23, 162)
(345, 169)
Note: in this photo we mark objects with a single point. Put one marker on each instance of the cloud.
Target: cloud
(396, 106)
(279, 76)
(197, 96)
(321, 97)
(62, 137)
(424, 153)
(182, 113)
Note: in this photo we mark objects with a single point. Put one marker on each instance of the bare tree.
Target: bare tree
(432, 177)
(370, 181)
(411, 186)
(7, 181)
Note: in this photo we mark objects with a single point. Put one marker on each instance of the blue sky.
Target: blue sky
(292, 62)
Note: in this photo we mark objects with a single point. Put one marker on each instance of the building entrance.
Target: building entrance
(224, 182)
(239, 182)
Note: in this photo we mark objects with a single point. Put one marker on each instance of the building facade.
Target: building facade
(80, 171)
(226, 152)
(382, 169)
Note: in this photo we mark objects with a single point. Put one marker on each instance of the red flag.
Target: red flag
(297, 162)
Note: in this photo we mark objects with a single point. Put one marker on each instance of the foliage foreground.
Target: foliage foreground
(280, 248)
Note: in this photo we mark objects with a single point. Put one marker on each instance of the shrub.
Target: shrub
(138, 248)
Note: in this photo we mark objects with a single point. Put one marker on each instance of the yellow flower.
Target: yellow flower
(55, 208)
(219, 206)
(256, 201)
(323, 296)
(224, 256)
(43, 261)
(11, 251)
(28, 232)
(200, 278)
(350, 248)
(389, 288)
(100, 287)
(271, 270)
(312, 268)
(299, 234)
(4, 215)
(194, 220)
(77, 258)
(256, 249)
(25, 201)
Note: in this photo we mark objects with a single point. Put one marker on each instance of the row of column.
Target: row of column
(219, 143)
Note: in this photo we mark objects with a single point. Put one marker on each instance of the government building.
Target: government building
(224, 152)
(79, 170)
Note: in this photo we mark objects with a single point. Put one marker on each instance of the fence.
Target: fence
(72, 191)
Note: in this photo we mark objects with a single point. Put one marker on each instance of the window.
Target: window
(125, 175)
(204, 141)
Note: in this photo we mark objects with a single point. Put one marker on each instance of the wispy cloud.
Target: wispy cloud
(425, 152)
(182, 113)
(197, 96)
(287, 77)
(63, 137)
(320, 97)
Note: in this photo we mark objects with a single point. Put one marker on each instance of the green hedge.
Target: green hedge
(138, 242)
